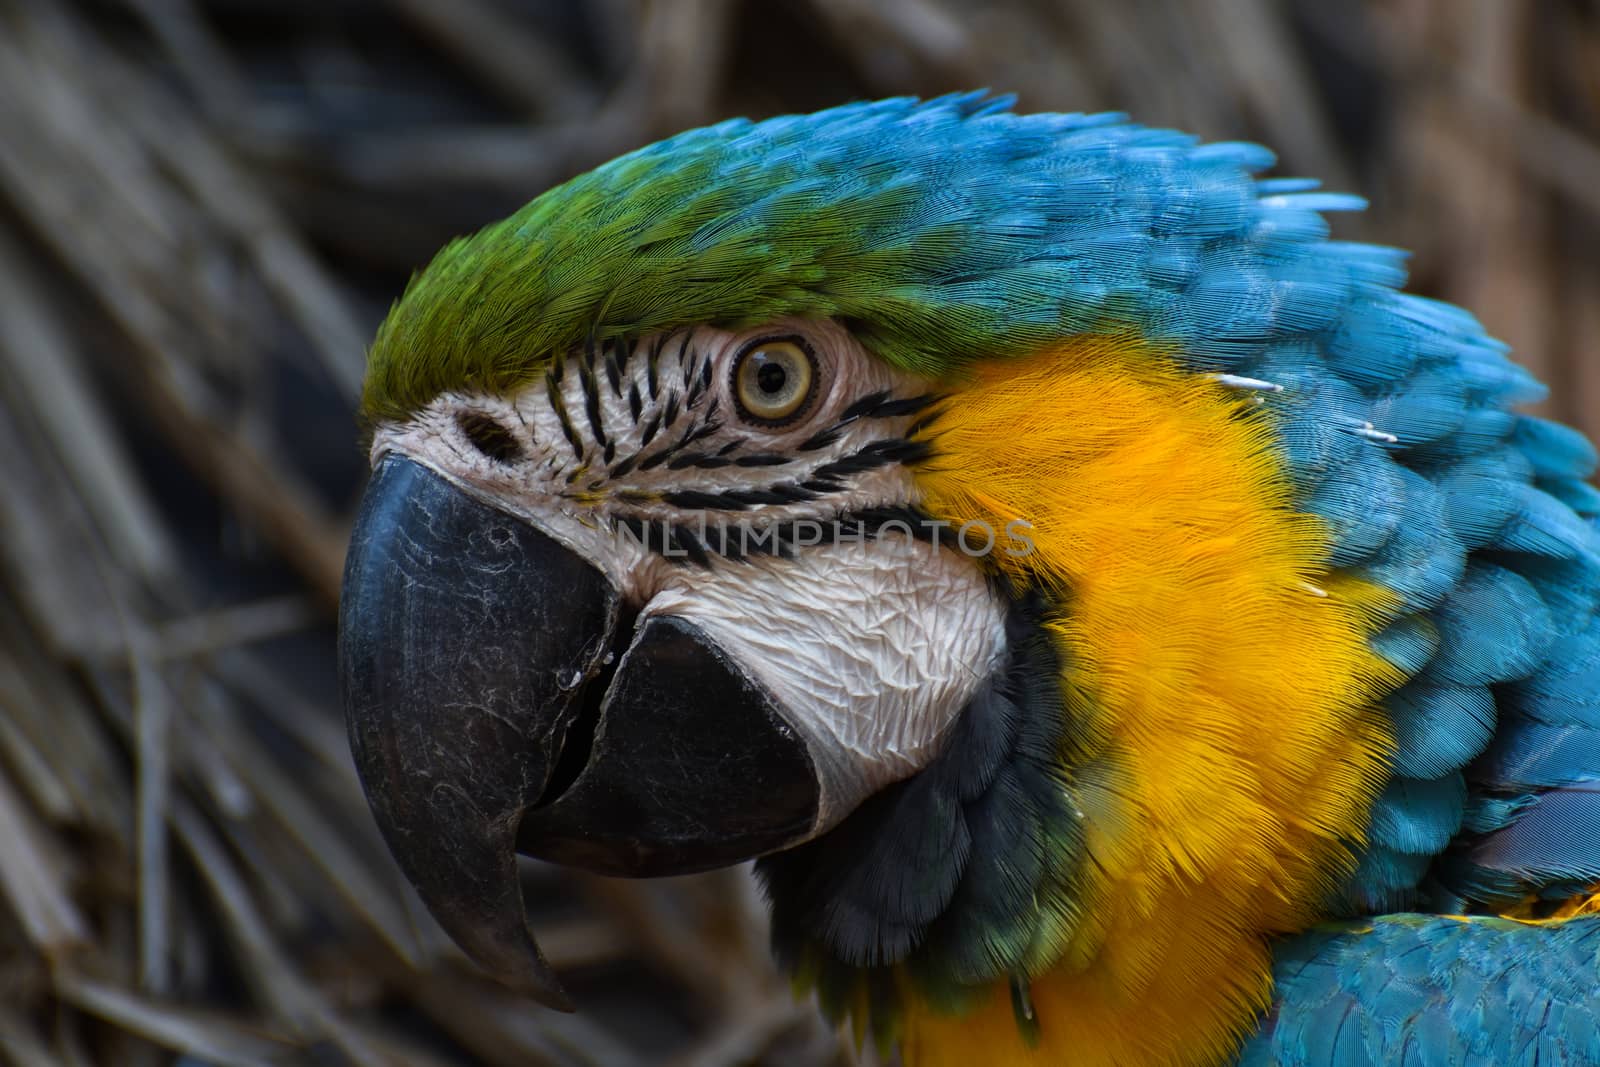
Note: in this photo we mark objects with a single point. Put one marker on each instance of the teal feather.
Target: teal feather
(1414, 989)
(1486, 814)
(1582, 498)
(1419, 817)
(1371, 348)
(1423, 408)
(1439, 727)
(1408, 643)
(1494, 627)
(1566, 690)
(1362, 508)
(1478, 503)
(1556, 451)
(1384, 879)
(1423, 561)
(1316, 444)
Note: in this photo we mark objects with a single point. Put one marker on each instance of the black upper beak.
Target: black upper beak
(496, 702)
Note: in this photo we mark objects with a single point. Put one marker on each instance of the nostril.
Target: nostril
(490, 437)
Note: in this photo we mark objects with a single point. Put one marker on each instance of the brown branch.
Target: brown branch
(497, 50)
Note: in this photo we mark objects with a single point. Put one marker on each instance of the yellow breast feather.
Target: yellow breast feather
(1237, 743)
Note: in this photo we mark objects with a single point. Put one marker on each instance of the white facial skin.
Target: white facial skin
(870, 646)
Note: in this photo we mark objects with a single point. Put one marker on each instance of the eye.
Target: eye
(774, 380)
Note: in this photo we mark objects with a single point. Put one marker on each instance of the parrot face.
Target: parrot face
(1074, 577)
(638, 616)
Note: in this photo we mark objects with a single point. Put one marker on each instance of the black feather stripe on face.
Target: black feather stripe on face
(645, 434)
(668, 426)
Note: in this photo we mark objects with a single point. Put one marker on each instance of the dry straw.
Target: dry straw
(205, 206)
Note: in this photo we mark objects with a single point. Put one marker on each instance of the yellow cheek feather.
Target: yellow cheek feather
(1236, 745)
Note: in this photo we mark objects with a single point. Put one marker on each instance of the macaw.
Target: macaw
(1122, 626)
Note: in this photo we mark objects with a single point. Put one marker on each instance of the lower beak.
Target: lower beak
(497, 701)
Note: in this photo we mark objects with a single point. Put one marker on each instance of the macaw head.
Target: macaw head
(880, 494)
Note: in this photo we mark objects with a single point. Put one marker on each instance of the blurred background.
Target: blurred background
(205, 208)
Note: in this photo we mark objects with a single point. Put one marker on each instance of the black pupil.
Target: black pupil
(770, 378)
